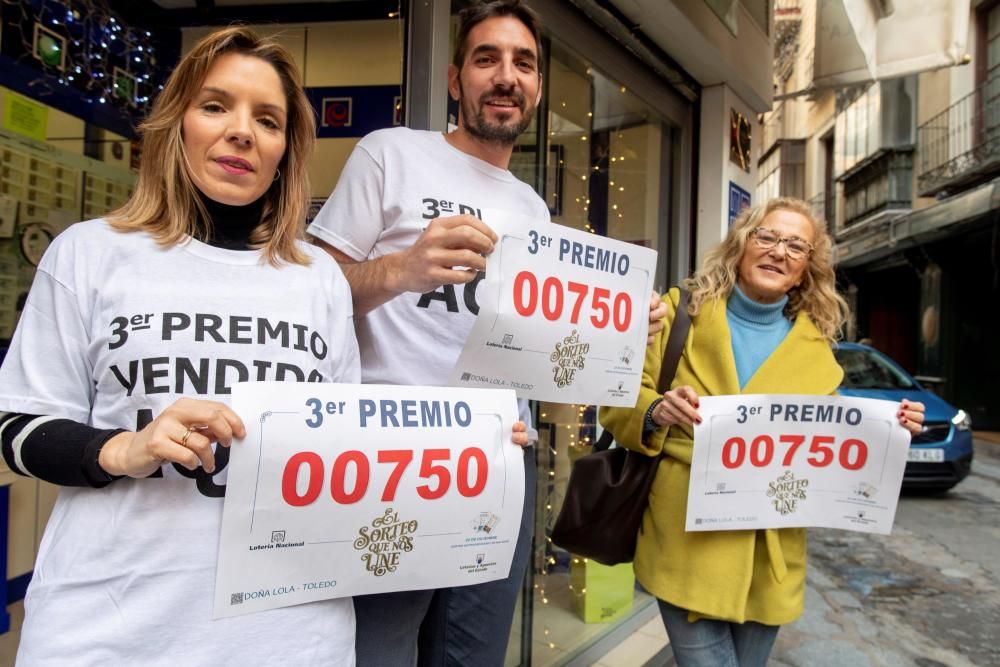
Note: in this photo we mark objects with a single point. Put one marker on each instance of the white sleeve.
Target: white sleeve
(352, 220)
(46, 371)
(348, 368)
(543, 210)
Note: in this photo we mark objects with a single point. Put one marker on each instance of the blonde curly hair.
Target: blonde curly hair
(816, 295)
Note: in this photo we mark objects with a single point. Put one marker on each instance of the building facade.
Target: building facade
(903, 167)
(646, 133)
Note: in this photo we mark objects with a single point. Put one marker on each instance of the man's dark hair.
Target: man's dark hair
(481, 10)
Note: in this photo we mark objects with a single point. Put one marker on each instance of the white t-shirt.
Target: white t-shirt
(115, 329)
(394, 183)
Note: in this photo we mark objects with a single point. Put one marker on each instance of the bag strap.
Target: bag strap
(675, 343)
(671, 358)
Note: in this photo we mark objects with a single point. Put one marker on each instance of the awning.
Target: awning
(922, 226)
(867, 40)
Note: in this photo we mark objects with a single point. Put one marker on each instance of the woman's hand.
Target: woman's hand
(911, 416)
(519, 434)
(183, 433)
(657, 311)
(679, 406)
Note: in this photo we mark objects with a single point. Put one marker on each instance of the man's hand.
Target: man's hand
(459, 240)
(519, 434)
(657, 311)
(446, 243)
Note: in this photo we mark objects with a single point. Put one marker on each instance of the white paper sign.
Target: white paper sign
(563, 315)
(782, 461)
(342, 490)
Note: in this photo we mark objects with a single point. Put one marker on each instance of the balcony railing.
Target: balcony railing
(880, 185)
(960, 146)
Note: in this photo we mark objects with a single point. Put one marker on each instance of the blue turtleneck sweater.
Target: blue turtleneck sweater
(756, 329)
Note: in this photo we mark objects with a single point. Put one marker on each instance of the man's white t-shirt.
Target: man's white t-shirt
(395, 182)
(116, 328)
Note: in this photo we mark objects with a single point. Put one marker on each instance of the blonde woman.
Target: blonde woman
(765, 312)
(134, 333)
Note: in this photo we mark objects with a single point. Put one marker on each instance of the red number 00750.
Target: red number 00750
(551, 296)
(852, 454)
(431, 468)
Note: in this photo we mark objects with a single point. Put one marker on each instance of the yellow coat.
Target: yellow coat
(739, 575)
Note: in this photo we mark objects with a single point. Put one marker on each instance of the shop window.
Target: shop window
(594, 153)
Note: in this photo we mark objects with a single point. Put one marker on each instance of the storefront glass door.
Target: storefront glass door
(595, 153)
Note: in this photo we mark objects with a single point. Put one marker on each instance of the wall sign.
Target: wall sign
(739, 199)
(739, 140)
(25, 116)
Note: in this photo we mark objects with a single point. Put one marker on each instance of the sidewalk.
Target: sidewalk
(649, 647)
(646, 647)
(992, 437)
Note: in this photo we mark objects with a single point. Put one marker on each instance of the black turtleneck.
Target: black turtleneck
(231, 225)
(66, 452)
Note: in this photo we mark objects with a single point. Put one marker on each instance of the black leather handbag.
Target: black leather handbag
(608, 490)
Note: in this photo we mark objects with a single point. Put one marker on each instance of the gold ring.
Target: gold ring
(187, 434)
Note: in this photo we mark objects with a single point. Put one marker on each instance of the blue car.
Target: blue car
(941, 456)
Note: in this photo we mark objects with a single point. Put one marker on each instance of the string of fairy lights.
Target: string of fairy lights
(578, 445)
(574, 172)
(573, 426)
(83, 45)
(572, 429)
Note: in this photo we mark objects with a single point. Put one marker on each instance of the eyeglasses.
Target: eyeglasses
(795, 247)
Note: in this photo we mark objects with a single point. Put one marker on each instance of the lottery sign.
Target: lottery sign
(782, 461)
(563, 315)
(342, 490)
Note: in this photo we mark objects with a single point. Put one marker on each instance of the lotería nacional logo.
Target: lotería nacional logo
(786, 492)
(506, 343)
(569, 357)
(278, 541)
(384, 541)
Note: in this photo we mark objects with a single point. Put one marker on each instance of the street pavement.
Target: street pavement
(926, 596)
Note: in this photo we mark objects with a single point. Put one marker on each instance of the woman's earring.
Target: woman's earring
(277, 174)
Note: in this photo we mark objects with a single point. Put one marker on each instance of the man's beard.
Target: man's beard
(495, 133)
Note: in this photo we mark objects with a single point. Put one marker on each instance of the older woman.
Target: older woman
(764, 314)
(134, 333)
